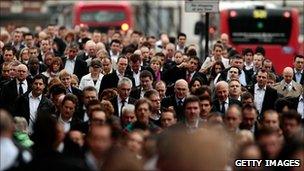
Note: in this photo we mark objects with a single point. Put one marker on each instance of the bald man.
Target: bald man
(288, 87)
(14, 88)
(222, 102)
(176, 100)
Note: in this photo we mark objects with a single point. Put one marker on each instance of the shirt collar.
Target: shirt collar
(295, 71)
(301, 97)
(256, 87)
(31, 96)
(119, 99)
(62, 121)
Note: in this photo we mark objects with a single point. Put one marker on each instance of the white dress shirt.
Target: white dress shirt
(9, 153)
(242, 78)
(259, 97)
(70, 65)
(120, 76)
(298, 75)
(136, 78)
(24, 85)
(34, 103)
(87, 80)
(301, 106)
(114, 59)
(66, 124)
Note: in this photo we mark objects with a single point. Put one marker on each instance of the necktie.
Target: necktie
(180, 103)
(188, 77)
(20, 88)
(223, 108)
(122, 105)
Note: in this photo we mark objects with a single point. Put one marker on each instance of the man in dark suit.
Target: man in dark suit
(299, 69)
(146, 80)
(124, 88)
(222, 101)
(74, 65)
(89, 51)
(264, 96)
(181, 90)
(111, 80)
(187, 71)
(32, 103)
(14, 88)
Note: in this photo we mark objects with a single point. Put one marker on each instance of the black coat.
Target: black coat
(115, 104)
(302, 78)
(22, 107)
(80, 68)
(171, 101)
(217, 106)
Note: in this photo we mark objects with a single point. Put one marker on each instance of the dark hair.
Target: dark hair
(39, 77)
(208, 98)
(181, 34)
(160, 54)
(291, 114)
(249, 107)
(28, 34)
(197, 59)
(135, 58)
(196, 79)
(212, 72)
(191, 52)
(9, 47)
(266, 132)
(239, 71)
(218, 45)
(298, 56)
(70, 97)
(190, 99)
(168, 110)
(260, 49)
(246, 96)
(146, 73)
(136, 32)
(115, 41)
(151, 92)
(57, 89)
(202, 90)
(247, 50)
(89, 88)
(143, 101)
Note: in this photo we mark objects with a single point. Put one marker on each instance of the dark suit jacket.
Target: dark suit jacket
(271, 95)
(80, 68)
(171, 101)
(9, 95)
(217, 106)
(135, 93)
(302, 78)
(110, 81)
(115, 104)
(22, 107)
(129, 73)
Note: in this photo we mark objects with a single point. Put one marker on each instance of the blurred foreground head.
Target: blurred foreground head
(206, 149)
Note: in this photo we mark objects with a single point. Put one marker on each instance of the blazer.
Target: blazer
(22, 107)
(9, 94)
(80, 68)
(302, 78)
(171, 101)
(282, 90)
(110, 81)
(269, 100)
(115, 104)
(217, 106)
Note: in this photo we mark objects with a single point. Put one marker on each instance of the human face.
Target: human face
(68, 109)
(161, 90)
(270, 82)
(170, 51)
(96, 37)
(181, 40)
(145, 53)
(239, 63)
(98, 117)
(217, 69)
(124, 90)
(299, 64)
(77, 137)
(143, 113)
(167, 119)
(249, 118)
(99, 140)
(135, 142)
(72, 53)
(271, 120)
(217, 52)
(288, 76)
(290, 127)
(233, 119)
(195, 86)
(89, 95)
(271, 144)
(248, 58)
(128, 117)
(45, 45)
(235, 89)
(233, 73)
(192, 111)
(66, 81)
(205, 108)
(222, 92)
(25, 55)
(268, 66)
(8, 56)
(181, 90)
(262, 79)
(155, 101)
(38, 87)
(248, 101)
(257, 61)
(33, 52)
(155, 66)
(122, 65)
(193, 64)
(135, 65)
(29, 41)
(178, 58)
(5, 71)
(115, 47)
(91, 49)
(13, 71)
(106, 65)
(146, 83)
(22, 72)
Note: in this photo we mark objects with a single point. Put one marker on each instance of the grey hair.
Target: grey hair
(21, 124)
(124, 80)
(128, 108)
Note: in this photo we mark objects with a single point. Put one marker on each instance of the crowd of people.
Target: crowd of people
(85, 100)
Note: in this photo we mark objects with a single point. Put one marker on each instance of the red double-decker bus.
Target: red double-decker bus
(101, 15)
(275, 28)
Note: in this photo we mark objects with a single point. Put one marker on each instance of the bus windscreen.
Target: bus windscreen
(102, 16)
(260, 28)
